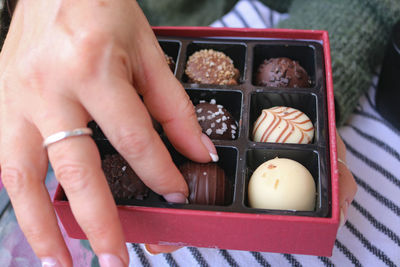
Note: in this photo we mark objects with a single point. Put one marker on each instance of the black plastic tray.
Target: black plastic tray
(240, 157)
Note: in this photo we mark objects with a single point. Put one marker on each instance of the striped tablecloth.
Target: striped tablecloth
(370, 237)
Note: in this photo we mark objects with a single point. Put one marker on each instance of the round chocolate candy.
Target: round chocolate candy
(207, 183)
(282, 184)
(282, 72)
(123, 181)
(170, 62)
(208, 66)
(216, 121)
(283, 125)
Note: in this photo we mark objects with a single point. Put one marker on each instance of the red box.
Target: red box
(234, 230)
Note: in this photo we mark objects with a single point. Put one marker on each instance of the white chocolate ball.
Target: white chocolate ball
(282, 184)
(283, 125)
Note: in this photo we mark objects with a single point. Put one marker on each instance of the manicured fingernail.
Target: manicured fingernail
(342, 219)
(176, 198)
(210, 147)
(50, 262)
(343, 212)
(149, 251)
(110, 260)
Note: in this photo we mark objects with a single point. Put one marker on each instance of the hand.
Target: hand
(63, 64)
(347, 191)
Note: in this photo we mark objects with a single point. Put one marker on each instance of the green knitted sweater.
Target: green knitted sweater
(358, 31)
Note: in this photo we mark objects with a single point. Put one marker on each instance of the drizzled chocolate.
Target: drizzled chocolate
(216, 121)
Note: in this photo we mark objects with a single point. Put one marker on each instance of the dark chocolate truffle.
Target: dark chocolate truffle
(170, 62)
(97, 132)
(207, 183)
(216, 121)
(282, 72)
(208, 66)
(123, 181)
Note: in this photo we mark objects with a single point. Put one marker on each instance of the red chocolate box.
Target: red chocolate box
(236, 225)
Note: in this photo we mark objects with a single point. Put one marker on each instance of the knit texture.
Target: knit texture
(185, 12)
(358, 32)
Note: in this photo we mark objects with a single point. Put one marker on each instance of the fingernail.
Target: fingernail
(176, 198)
(342, 219)
(110, 260)
(149, 251)
(343, 212)
(50, 262)
(210, 147)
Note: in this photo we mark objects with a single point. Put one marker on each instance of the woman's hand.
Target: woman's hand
(63, 64)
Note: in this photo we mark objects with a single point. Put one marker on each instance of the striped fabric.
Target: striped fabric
(371, 236)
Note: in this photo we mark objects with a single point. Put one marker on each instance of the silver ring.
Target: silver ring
(342, 161)
(54, 138)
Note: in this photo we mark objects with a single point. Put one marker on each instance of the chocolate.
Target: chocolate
(282, 184)
(207, 183)
(208, 66)
(216, 121)
(123, 181)
(283, 125)
(97, 132)
(170, 62)
(282, 72)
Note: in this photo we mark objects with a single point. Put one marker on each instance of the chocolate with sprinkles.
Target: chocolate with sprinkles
(282, 72)
(123, 181)
(216, 121)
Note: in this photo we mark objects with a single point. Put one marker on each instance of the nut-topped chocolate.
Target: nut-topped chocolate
(207, 183)
(123, 181)
(216, 121)
(282, 72)
(208, 66)
(283, 125)
(170, 62)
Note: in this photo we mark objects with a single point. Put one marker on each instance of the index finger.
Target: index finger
(167, 100)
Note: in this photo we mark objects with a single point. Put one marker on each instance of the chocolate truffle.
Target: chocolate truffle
(208, 66)
(123, 181)
(282, 72)
(170, 62)
(97, 132)
(282, 184)
(283, 125)
(207, 183)
(216, 121)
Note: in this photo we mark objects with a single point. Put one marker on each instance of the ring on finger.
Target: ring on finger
(56, 137)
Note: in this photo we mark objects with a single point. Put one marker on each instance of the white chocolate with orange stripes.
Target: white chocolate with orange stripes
(283, 125)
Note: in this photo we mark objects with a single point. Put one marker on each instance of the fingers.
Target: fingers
(347, 184)
(168, 102)
(77, 166)
(128, 126)
(24, 166)
(157, 249)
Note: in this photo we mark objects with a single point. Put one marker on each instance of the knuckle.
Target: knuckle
(73, 176)
(90, 48)
(134, 143)
(34, 233)
(14, 179)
